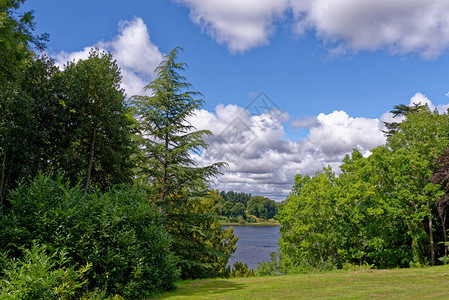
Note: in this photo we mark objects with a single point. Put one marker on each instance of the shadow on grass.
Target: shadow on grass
(204, 288)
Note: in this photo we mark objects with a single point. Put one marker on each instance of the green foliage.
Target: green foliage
(30, 136)
(234, 197)
(241, 270)
(16, 110)
(42, 276)
(261, 207)
(100, 144)
(308, 232)
(167, 138)
(119, 232)
(75, 120)
(444, 259)
(16, 39)
(241, 207)
(238, 210)
(352, 267)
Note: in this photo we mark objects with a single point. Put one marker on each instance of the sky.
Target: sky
(290, 86)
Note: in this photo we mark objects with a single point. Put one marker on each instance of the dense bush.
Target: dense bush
(119, 232)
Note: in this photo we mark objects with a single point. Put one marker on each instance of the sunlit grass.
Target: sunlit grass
(398, 283)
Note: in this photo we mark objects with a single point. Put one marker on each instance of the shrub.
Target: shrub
(119, 232)
(241, 270)
(270, 267)
(41, 276)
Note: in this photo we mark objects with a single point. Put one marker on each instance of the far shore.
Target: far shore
(250, 224)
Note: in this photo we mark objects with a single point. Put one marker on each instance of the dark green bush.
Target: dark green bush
(119, 232)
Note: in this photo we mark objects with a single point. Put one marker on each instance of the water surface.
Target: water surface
(255, 244)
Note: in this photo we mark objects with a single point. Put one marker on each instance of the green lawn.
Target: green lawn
(398, 283)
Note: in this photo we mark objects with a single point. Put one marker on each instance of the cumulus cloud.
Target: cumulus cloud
(240, 25)
(63, 57)
(263, 162)
(306, 122)
(338, 133)
(419, 98)
(136, 55)
(401, 26)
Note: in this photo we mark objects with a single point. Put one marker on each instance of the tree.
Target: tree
(30, 114)
(400, 110)
(308, 238)
(16, 40)
(99, 122)
(168, 138)
(238, 210)
(176, 182)
(441, 177)
(415, 147)
(262, 207)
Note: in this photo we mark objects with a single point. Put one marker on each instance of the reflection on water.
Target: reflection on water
(255, 244)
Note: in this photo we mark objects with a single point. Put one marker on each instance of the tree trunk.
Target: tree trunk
(444, 234)
(165, 179)
(442, 214)
(91, 160)
(432, 250)
(2, 182)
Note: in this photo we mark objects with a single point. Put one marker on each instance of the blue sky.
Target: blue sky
(334, 68)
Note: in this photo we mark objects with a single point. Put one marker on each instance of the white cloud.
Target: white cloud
(136, 55)
(133, 48)
(340, 133)
(419, 98)
(401, 26)
(240, 25)
(305, 122)
(262, 162)
(63, 57)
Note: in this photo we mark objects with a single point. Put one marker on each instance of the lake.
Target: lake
(255, 244)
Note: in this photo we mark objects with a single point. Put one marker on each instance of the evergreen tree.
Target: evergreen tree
(177, 184)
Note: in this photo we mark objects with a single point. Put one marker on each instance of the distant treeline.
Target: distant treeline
(242, 207)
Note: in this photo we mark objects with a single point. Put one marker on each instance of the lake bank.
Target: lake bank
(250, 224)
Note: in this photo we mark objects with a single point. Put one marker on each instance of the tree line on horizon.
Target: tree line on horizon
(244, 208)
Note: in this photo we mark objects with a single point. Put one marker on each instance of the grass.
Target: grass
(414, 283)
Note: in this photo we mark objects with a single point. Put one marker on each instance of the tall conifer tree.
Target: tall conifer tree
(178, 185)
